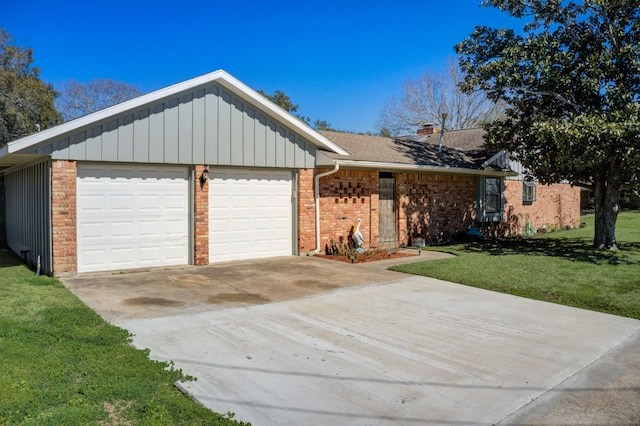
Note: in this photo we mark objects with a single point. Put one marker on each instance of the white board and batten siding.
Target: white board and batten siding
(132, 216)
(250, 214)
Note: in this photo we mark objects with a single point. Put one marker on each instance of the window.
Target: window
(492, 195)
(489, 201)
(528, 192)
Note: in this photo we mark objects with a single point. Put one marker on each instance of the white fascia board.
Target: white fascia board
(353, 164)
(220, 76)
(494, 158)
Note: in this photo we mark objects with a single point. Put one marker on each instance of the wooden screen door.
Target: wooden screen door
(388, 213)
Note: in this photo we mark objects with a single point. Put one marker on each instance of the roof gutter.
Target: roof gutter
(419, 168)
(336, 167)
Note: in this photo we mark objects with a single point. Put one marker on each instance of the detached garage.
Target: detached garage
(202, 171)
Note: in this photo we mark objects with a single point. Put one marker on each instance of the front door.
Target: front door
(388, 213)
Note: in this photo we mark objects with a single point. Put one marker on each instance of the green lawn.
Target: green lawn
(61, 364)
(560, 267)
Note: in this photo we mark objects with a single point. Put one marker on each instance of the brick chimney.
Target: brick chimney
(428, 129)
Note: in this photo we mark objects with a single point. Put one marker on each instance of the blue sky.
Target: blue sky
(340, 61)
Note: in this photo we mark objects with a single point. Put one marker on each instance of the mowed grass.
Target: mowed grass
(560, 267)
(61, 364)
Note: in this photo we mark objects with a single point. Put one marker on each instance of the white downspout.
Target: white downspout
(336, 167)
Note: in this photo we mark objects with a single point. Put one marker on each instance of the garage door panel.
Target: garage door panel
(248, 211)
(137, 210)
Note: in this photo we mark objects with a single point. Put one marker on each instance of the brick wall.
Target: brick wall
(306, 211)
(434, 207)
(201, 218)
(556, 206)
(344, 197)
(63, 216)
(430, 206)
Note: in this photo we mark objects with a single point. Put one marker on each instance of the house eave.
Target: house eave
(415, 168)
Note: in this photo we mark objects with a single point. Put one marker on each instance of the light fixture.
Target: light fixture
(205, 175)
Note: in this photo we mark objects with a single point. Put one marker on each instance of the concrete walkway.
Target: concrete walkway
(406, 350)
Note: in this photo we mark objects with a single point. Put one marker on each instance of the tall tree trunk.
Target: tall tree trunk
(607, 204)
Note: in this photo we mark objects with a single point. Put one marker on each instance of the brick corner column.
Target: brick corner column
(201, 218)
(63, 216)
(306, 211)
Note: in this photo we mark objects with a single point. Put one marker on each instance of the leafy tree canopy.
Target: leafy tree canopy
(281, 99)
(571, 80)
(26, 103)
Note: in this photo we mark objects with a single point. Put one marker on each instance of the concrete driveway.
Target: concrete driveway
(355, 344)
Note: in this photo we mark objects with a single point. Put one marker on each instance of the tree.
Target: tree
(425, 99)
(26, 103)
(77, 99)
(281, 99)
(323, 125)
(571, 81)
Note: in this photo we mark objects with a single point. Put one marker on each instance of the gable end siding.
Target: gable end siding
(207, 125)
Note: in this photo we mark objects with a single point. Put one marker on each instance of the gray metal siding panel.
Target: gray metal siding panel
(156, 134)
(237, 136)
(93, 144)
(289, 150)
(281, 140)
(249, 137)
(271, 143)
(212, 112)
(171, 132)
(207, 124)
(110, 141)
(224, 129)
(141, 136)
(517, 167)
(199, 128)
(185, 130)
(125, 139)
(28, 212)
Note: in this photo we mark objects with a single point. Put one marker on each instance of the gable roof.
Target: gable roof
(415, 153)
(13, 153)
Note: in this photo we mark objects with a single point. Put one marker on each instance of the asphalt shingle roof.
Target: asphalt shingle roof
(461, 149)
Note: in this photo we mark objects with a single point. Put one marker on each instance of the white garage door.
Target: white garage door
(250, 214)
(132, 216)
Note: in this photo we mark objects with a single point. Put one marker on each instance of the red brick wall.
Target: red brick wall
(434, 207)
(556, 206)
(306, 211)
(344, 197)
(430, 206)
(201, 218)
(63, 216)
